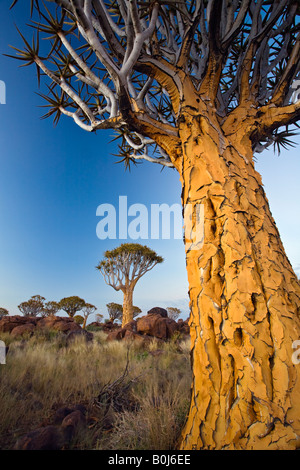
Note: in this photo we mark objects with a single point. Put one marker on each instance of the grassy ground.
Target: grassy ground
(43, 373)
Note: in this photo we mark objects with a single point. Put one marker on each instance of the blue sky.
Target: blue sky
(52, 179)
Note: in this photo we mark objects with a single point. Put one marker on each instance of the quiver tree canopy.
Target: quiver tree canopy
(32, 307)
(72, 305)
(126, 264)
(133, 67)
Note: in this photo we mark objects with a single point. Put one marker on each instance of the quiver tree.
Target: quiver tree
(136, 311)
(71, 305)
(99, 317)
(173, 312)
(3, 311)
(32, 307)
(87, 310)
(115, 311)
(50, 308)
(123, 267)
(200, 86)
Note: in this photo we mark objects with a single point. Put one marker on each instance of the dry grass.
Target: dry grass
(42, 374)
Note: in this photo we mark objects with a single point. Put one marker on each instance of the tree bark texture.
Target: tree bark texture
(244, 300)
(127, 306)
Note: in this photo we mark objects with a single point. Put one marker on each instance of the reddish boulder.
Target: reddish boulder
(8, 323)
(116, 335)
(46, 438)
(109, 326)
(158, 311)
(127, 334)
(63, 324)
(26, 329)
(131, 326)
(64, 411)
(47, 322)
(18, 325)
(61, 413)
(65, 327)
(157, 326)
(83, 334)
(73, 422)
(183, 326)
(138, 340)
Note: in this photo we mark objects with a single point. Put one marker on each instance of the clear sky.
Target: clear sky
(52, 179)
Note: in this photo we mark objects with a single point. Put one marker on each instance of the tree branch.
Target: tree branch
(272, 117)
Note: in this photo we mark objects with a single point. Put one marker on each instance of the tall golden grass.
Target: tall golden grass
(43, 373)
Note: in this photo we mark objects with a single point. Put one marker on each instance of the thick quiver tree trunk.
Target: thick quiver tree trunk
(127, 306)
(244, 301)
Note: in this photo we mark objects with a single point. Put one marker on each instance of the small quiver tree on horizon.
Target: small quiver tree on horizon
(32, 307)
(99, 317)
(3, 312)
(71, 305)
(123, 267)
(87, 310)
(173, 312)
(50, 308)
(115, 311)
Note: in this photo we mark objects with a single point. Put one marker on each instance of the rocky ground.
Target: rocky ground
(155, 324)
(68, 420)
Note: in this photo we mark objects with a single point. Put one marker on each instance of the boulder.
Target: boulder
(183, 326)
(109, 326)
(156, 325)
(66, 421)
(73, 334)
(21, 330)
(116, 335)
(45, 438)
(72, 423)
(18, 325)
(65, 327)
(8, 323)
(127, 334)
(61, 413)
(64, 411)
(63, 324)
(131, 326)
(47, 322)
(158, 311)
(138, 340)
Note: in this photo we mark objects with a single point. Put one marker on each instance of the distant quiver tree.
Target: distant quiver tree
(123, 267)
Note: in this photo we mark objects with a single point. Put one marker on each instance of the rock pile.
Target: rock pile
(156, 324)
(107, 327)
(67, 421)
(17, 325)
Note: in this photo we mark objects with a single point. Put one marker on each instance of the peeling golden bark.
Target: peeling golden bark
(127, 307)
(244, 300)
